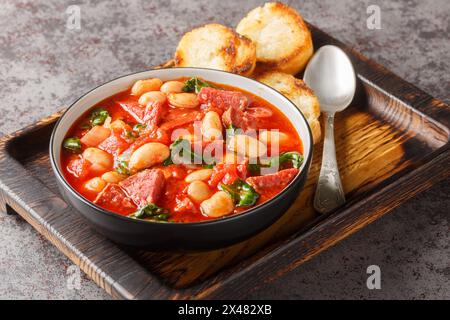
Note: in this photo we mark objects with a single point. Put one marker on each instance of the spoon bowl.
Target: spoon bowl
(331, 75)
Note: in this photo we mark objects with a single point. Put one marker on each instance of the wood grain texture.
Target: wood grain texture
(392, 142)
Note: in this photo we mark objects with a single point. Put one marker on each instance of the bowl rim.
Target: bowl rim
(229, 218)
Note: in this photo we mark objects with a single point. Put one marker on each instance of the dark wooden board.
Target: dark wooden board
(392, 143)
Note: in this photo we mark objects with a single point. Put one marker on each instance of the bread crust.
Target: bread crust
(217, 47)
(299, 93)
(283, 40)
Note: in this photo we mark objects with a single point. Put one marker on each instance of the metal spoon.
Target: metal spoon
(331, 75)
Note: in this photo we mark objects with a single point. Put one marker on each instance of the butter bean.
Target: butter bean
(277, 137)
(220, 204)
(183, 100)
(99, 158)
(211, 126)
(95, 184)
(172, 87)
(152, 96)
(202, 175)
(148, 155)
(198, 191)
(247, 146)
(142, 86)
(113, 177)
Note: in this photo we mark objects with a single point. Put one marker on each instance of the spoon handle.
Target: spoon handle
(329, 193)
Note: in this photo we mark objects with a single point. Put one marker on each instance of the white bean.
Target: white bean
(172, 87)
(220, 204)
(191, 137)
(211, 126)
(183, 100)
(202, 175)
(118, 125)
(99, 158)
(143, 86)
(148, 155)
(232, 158)
(95, 184)
(113, 177)
(247, 146)
(107, 122)
(152, 96)
(198, 191)
(274, 137)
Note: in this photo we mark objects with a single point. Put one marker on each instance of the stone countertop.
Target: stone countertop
(45, 66)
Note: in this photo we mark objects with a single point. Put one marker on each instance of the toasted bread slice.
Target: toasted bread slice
(217, 47)
(299, 93)
(283, 41)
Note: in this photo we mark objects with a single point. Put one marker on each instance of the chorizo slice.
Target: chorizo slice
(114, 145)
(153, 114)
(133, 108)
(278, 180)
(150, 115)
(239, 118)
(144, 187)
(113, 198)
(222, 99)
(95, 136)
(180, 121)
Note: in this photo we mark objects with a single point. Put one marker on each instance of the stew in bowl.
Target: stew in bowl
(181, 148)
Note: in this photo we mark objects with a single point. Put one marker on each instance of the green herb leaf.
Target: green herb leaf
(122, 168)
(85, 125)
(169, 161)
(151, 212)
(254, 169)
(184, 146)
(195, 85)
(231, 130)
(139, 127)
(130, 134)
(295, 158)
(72, 144)
(98, 116)
(241, 192)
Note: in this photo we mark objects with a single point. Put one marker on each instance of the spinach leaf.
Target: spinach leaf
(184, 146)
(255, 168)
(98, 116)
(85, 125)
(139, 127)
(195, 85)
(241, 192)
(151, 212)
(295, 158)
(122, 168)
(174, 144)
(131, 134)
(72, 144)
(231, 130)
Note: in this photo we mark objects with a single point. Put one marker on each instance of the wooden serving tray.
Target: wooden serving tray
(392, 143)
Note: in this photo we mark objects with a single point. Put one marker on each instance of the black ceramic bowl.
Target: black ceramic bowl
(181, 236)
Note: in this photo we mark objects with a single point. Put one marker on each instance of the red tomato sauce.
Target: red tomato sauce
(173, 196)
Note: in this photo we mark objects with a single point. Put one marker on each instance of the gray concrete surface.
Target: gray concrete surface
(44, 66)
